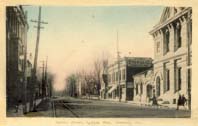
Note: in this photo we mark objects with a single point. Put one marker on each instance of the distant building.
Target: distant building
(173, 53)
(144, 87)
(129, 66)
(16, 40)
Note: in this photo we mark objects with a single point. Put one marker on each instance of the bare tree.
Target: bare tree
(97, 72)
(88, 82)
(100, 67)
(71, 85)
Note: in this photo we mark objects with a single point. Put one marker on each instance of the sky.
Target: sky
(76, 35)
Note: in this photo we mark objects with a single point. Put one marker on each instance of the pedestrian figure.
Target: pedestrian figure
(17, 106)
(179, 101)
(183, 100)
(154, 101)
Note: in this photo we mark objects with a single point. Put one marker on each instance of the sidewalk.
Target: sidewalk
(12, 112)
(142, 104)
(44, 109)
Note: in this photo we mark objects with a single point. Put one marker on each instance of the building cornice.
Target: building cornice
(161, 25)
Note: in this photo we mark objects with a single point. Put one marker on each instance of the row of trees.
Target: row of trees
(87, 82)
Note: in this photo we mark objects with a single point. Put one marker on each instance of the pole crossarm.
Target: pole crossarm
(41, 22)
(39, 27)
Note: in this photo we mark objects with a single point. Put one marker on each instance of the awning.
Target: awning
(112, 88)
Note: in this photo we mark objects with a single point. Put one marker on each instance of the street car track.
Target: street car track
(68, 108)
(64, 104)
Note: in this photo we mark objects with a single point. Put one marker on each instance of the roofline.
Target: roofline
(125, 58)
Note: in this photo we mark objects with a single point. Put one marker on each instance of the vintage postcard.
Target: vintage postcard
(98, 63)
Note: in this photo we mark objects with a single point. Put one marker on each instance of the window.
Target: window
(109, 78)
(178, 35)
(137, 89)
(190, 32)
(119, 74)
(167, 80)
(116, 76)
(166, 40)
(141, 88)
(158, 47)
(123, 74)
(113, 77)
(179, 78)
(158, 88)
(189, 79)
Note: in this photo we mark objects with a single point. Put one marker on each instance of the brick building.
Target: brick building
(16, 41)
(172, 54)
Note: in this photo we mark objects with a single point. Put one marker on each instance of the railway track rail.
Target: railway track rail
(64, 105)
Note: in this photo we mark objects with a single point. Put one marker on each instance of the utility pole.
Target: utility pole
(118, 60)
(46, 82)
(43, 79)
(34, 78)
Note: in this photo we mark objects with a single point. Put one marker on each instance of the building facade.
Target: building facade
(120, 81)
(16, 42)
(173, 53)
(144, 87)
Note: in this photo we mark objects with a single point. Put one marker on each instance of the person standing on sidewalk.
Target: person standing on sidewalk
(179, 101)
(19, 106)
(183, 101)
(154, 101)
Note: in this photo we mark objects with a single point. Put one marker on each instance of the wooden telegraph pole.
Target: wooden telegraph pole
(34, 78)
(43, 79)
(46, 82)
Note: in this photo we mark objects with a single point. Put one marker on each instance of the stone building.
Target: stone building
(122, 75)
(16, 41)
(144, 87)
(172, 54)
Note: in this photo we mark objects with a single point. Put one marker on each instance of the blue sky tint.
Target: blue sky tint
(76, 34)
